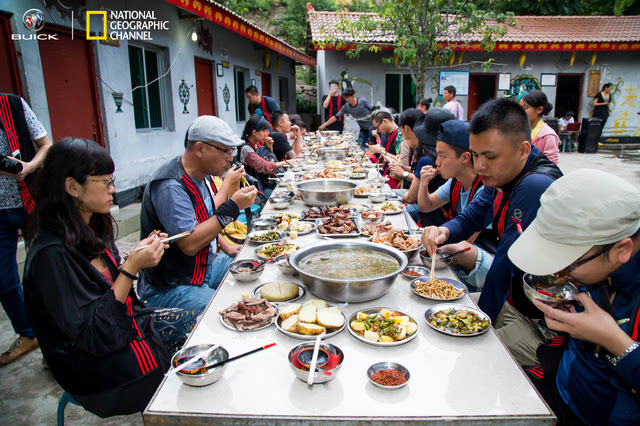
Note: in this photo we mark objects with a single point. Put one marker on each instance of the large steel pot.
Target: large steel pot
(326, 192)
(351, 291)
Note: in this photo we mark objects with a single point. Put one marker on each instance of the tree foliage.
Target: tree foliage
(562, 7)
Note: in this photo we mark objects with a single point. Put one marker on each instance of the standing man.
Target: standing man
(452, 105)
(262, 105)
(332, 103)
(177, 200)
(19, 158)
(282, 131)
(358, 108)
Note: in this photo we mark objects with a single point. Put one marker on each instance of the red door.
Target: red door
(71, 86)
(9, 76)
(205, 87)
(266, 84)
(482, 87)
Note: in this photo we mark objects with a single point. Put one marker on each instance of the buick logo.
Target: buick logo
(33, 20)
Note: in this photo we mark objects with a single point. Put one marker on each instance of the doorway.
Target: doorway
(266, 84)
(482, 88)
(568, 94)
(9, 75)
(205, 87)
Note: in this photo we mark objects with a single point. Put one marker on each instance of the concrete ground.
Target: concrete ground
(29, 394)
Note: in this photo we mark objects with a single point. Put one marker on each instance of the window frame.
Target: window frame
(159, 52)
(401, 76)
(240, 98)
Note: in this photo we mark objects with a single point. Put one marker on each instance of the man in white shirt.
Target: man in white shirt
(452, 105)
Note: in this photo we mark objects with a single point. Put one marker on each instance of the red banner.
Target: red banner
(514, 47)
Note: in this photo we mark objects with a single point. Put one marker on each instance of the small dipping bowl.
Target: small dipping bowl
(284, 266)
(426, 259)
(378, 182)
(547, 283)
(419, 269)
(280, 202)
(388, 366)
(377, 197)
(246, 275)
(372, 217)
(192, 376)
(265, 224)
(325, 372)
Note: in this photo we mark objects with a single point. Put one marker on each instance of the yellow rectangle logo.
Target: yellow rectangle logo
(104, 23)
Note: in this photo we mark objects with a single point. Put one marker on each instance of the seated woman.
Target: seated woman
(103, 346)
(259, 160)
(543, 137)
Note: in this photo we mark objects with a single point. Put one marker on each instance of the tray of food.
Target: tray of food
(357, 207)
(357, 175)
(306, 321)
(272, 236)
(249, 314)
(322, 212)
(373, 228)
(383, 327)
(327, 174)
(334, 165)
(388, 208)
(297, 227)
(456, 319)
(267, 251)
(440, 289)
(280, 291)
(337, 227)
(395, 238)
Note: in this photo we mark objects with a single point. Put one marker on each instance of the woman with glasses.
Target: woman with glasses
(104, 347)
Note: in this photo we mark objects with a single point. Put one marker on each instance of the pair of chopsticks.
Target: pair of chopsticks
(217, 364)
(167, 240)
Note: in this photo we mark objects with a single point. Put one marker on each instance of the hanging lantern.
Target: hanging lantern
(452, 58)
(460, 57)
(523, 57)
(593, 58)
(573, 58)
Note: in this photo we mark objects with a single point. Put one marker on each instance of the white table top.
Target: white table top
(468, 379)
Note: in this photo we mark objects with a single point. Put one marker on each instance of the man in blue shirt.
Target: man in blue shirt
(587, 231)
(263, 106)
(515, 174)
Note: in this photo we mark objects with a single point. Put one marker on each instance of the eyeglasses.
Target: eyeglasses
(108, 182)
(227, 152)
(588, 259)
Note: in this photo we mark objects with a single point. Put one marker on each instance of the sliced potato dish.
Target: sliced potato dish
(311, 318)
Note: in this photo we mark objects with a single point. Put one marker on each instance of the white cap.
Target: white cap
(582, 209)
(208, 128)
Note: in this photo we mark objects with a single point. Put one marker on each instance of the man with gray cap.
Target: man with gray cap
(177, 200)
(587, 231)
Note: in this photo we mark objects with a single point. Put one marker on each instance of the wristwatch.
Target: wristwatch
(405, 174)
(616, 360)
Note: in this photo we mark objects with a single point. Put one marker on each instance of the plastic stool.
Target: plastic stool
(64, 400)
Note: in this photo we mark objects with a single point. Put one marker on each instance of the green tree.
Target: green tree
(562, 7)
(421, 29)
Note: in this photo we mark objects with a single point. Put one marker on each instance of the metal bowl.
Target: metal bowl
(325, 373)
(379, 218)
(327, 133)
(245, 275)
(285, 266)
(426, 259)
(420, 269)
(253, 235)
(549, 285)
(411, 254)
(378, 182)
(265, 224)
(209, 376)
(280, 202)
(377, 197)
(388, 366)
(350, 291)
(326, 192)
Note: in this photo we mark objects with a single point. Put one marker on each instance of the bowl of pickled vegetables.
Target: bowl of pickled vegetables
(456, 319)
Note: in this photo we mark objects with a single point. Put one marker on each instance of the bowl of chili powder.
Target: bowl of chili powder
(388, 375)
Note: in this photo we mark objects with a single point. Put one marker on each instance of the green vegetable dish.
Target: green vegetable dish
(459, 322)
(266, 237)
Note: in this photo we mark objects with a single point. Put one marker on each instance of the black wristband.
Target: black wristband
(227, 213)
(126, 274)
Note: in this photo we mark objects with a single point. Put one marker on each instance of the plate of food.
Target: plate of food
(288, 217)
(383, 327)
(334, 165)
(267, 251)
(440, 289)
(279, 291)
(359, 208)
(456, 319)
(337, 227)
(272, 236)
(363, 191)
(249, 314)
(388, 208)
(322, 212)
(357, 175)
(306, 321)
(297, 227)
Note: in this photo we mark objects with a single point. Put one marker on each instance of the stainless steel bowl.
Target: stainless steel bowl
(411, 254)
(426, 259)
(280, 202)
(548, 283)
(209, 376)
(245, 275)
(388, 366)
(327, 133)
(326, 192)
(332, 156)
(265, 224)
(419, 269)
(350, 291)
(379, 218)
(284, 266)
(323, 374)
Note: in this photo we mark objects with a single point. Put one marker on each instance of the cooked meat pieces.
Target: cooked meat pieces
(324, 211)
(249, 314)
(335, 225)
(396, 239)
(372, 228)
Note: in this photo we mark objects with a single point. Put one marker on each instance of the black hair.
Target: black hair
(451, 89)
(301, 124)
(295, 117)
(536, 99)
(276, 116)
(77, 158)
(381, 115)
(409, 117)
(569, 114)
(257, 123)
(348, 92)
(606, 85)
(426, 102)
(334, 81)
(504, 115)
(251, 89)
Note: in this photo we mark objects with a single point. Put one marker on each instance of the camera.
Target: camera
(10, 166)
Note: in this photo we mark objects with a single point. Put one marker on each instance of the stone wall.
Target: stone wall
(309, 93)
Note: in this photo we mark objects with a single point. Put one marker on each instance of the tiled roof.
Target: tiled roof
(530, 29)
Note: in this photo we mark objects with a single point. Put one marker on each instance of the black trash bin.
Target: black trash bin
(589, 135)
(553, 123)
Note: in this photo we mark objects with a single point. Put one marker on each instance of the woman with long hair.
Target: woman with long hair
(103, 346)
(543, 137)
(601, 102)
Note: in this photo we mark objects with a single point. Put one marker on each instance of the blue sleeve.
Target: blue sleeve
(173, 207)
(474, 218)
(628, 370)
(272, 105)
(524, 203)
(424, 161)
(444, 191)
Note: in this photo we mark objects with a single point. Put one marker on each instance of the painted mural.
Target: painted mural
(520, 85)
(346, 82)
(624, 119)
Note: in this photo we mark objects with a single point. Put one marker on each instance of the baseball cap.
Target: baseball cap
(426, 127)
(208, 128)
(454, 132)
(582, 209)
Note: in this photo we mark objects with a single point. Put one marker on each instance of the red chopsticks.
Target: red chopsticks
(218, 364)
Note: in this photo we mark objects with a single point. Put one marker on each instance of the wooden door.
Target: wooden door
(482, 87)
(70, 84)
(266, 85)
(205, 87)
(9, 75)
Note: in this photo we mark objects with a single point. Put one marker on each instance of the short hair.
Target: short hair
(504, 115)
(569, 114)
(409, 117)
(451, 89)
(348, 92)
(334, 81)
(251, 89)
(536, 99)
(295, 117)
(381, 115)
(426, 102)
(301, 124)
(276, 116)
(458, 150)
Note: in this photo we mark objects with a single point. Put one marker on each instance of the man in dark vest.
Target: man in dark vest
(332, 103)
(261, 105)
(515, 174)
(23, 144)
(177, 200)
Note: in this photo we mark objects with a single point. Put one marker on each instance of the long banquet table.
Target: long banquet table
(453, 379)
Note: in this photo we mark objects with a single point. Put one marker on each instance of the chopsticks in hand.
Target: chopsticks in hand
(167, 240)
